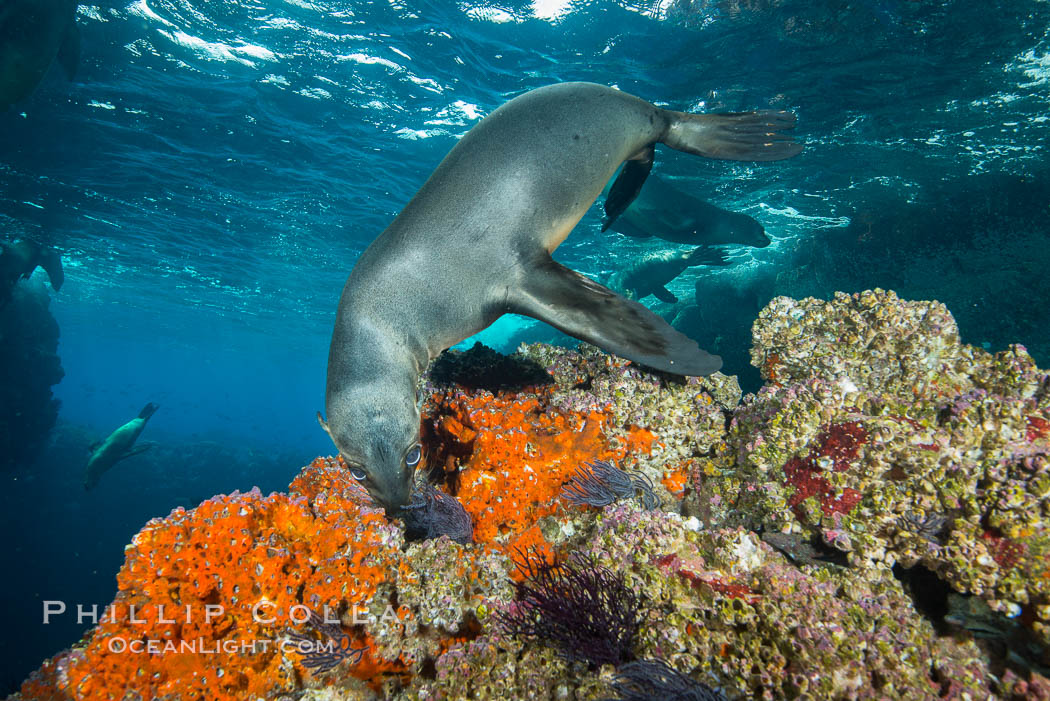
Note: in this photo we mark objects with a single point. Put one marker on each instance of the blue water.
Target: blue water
(217, 166)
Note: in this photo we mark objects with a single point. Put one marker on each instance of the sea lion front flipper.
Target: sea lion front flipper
(136, 450)
(664, 295)
(591, 312)
(69, 51)
(704, 255)
(51, 262)
(627, 185)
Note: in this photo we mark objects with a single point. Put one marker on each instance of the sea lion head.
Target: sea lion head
(376, 430)
(742, 229)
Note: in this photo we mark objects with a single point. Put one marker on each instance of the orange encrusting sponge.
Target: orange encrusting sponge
(514, 456)
(242, 563)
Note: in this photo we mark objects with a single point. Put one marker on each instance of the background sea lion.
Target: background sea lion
(664, 211)
(117, 446)
(650, 274)
(32, 34)
(475, 242)
(18, 260)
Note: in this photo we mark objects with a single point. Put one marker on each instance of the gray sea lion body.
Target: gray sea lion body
(650, 274)
(664, 211)
(474, 243)
(32, 34)
(118, 445)
(18, 260)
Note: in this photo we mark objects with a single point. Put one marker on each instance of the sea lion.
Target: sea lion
(664, 211)
(18, 260)
(118, 446)
(33, 33)
(475, 243)
(650, 274)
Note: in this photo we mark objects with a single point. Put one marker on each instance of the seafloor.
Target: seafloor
(873, 523)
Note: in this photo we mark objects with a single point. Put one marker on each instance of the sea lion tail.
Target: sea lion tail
(734, 136)
(148, 411)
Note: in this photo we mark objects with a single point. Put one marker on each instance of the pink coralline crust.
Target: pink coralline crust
(1035, 688)
(695, 572)
(841, 444)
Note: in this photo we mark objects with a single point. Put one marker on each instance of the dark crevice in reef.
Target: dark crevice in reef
(805, 550)
(429, 669)
(928, 592)
(483, 368)
(1007, 643)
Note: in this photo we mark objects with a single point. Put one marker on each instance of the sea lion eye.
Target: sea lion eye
(412, 459)
(358, 474)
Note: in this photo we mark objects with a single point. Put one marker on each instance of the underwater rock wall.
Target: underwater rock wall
(29, 367)
(771, 568)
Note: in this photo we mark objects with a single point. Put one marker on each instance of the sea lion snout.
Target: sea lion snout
(742, 229)
(390, 486)
(377, 434)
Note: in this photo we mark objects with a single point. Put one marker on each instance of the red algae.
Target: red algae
(1037, 427)
(836, 448)
(1006, 552)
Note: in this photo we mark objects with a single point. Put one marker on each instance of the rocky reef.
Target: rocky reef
(29, 368)
(872, 524)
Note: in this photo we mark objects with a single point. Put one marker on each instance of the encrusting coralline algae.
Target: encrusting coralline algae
(879, 443)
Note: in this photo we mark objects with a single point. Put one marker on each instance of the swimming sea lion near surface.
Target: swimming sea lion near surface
(18, 260)
(117, 446)
(650, 274)
(33, 33)
(664, 211)
(475, 243)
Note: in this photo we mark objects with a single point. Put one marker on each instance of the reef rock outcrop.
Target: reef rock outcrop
(780, 562)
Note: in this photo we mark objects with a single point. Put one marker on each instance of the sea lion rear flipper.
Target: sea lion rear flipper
(148, 411)
(591, 312)
(69, 52)
(664, 295)
(734, 136)
(627, 185)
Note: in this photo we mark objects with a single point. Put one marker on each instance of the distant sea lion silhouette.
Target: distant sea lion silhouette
(18, 260)
(650, 274)
(32, 34)
(117, 446)
(475, 243)
(664, 211)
